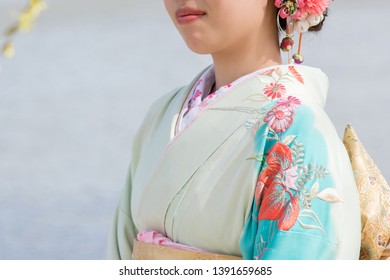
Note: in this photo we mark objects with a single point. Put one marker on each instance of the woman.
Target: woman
(243, 161)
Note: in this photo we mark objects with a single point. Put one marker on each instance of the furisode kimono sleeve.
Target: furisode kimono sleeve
(124, 230)
(120, 244)
(305, 204)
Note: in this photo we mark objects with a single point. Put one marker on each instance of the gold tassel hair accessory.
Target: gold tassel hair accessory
(300, 16)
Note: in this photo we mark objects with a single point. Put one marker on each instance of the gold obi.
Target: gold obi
(144, 251)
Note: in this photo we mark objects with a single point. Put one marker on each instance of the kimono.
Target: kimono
(259, 172)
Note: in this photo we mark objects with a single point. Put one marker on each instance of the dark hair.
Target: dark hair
(316, 28)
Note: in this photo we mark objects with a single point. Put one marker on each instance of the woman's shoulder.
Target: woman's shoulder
(308, 84)
(298, 95)
(313, 83)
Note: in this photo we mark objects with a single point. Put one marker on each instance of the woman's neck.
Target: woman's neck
(232, 68)
(255, 53)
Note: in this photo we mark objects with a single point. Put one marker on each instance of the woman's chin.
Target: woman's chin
(202, 52)
(200, 48)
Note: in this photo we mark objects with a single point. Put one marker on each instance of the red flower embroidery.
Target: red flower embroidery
(290, 215)
(279, 155)
(273, 189)
(296, 75)
(280, 118)
(267, 72)
(274, 90)
(266, 179)
(279, 159)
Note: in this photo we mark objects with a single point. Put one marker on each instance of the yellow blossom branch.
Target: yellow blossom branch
(24, 23)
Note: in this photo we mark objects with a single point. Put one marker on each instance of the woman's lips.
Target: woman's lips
(187, 15)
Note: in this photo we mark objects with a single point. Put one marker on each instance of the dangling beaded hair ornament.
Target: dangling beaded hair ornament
(300, 16)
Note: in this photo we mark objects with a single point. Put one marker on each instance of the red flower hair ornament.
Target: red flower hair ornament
(300, 15)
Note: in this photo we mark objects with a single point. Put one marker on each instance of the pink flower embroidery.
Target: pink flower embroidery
(197, 94)
(279, 118)
(274, 90)
(211, 95)
(290, 102)
(227, 86)
(199, 82)
(291, 177)
(204, 104)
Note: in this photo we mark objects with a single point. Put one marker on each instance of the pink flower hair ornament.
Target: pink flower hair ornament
(300, 16)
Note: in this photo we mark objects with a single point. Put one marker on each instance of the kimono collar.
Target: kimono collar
(200, 95)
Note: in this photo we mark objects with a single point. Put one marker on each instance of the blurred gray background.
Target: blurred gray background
(82, 80)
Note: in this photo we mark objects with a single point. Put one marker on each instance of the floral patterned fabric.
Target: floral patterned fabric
(257, 171)
(201, 96)
(295, 191)
(287, 186)
(374, 196)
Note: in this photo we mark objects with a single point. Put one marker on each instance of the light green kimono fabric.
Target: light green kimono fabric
(260, 173)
